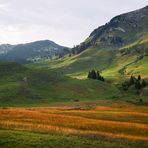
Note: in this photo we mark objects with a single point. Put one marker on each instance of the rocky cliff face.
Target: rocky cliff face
(121, 30)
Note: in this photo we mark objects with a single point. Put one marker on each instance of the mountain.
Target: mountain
(120, 31)
(34, 51)
(118, 49)
(5, 48)
(116, 53)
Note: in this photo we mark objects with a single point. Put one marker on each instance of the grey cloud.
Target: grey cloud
(67, 22)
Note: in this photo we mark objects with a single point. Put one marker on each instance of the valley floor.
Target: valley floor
(97, 124)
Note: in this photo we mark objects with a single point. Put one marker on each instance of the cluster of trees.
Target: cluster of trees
(113, 40)
(137, 82)
(140, 49)
(79, 48)
(116, 40)
(95, 75)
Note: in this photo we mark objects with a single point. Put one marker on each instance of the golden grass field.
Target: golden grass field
(109, 120)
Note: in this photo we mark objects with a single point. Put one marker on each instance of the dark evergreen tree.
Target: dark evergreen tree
(139, 78)
(93, 74)
(102, 79)
(132, 80)
(125, 86)
(137, 85)
(143, 84)
(98, 75)
(89, 75)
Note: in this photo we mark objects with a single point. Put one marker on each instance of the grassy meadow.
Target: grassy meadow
(53, 104)
(97, 124)
(21, 86)
(115, 64)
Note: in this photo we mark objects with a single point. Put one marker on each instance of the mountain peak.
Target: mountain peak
(121, 30)
(146, 7)
(34, 51)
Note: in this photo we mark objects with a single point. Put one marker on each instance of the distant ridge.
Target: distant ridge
(34, 51)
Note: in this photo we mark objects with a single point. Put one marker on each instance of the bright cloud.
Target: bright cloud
(66, 22)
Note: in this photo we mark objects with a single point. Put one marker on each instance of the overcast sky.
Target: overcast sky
(67, 22)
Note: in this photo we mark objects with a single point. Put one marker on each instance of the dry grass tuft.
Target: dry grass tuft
(115, 121)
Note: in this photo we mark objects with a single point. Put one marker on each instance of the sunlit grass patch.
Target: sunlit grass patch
(115, 122)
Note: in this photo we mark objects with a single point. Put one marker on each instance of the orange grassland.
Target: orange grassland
(111, 121)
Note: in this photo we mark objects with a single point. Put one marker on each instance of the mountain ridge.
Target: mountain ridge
(66, 79)
(33, 51)
(118, 45)
(119, 31)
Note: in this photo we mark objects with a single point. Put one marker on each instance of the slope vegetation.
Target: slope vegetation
(20, 86)
(118, 49)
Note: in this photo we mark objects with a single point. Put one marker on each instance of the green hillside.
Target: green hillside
(113, 63)
(79, 65)
(116, 65)
(118, 50)
(130, 60)
(21, 86)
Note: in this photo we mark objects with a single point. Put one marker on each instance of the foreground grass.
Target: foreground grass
(81, 125)
(11, 139)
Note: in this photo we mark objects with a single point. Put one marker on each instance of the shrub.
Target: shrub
(95, 75)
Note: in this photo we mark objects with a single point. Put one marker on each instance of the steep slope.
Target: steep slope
(115, 49)
(34, 51)
(115, 64)
(47, 82)
(78, 66)
(120, 31)
(140, 65)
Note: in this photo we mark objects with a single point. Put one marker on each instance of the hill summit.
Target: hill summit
(120, 31)
(34, 51)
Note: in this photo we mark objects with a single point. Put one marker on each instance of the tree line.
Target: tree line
(95, 75)
(138, 82)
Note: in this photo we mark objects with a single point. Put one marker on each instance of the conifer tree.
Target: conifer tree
(138, 85)
(102, 79)
(98, 75)
(132, 80)
(143, 84)
(89, 75)
(93, 74)
(139, 78)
